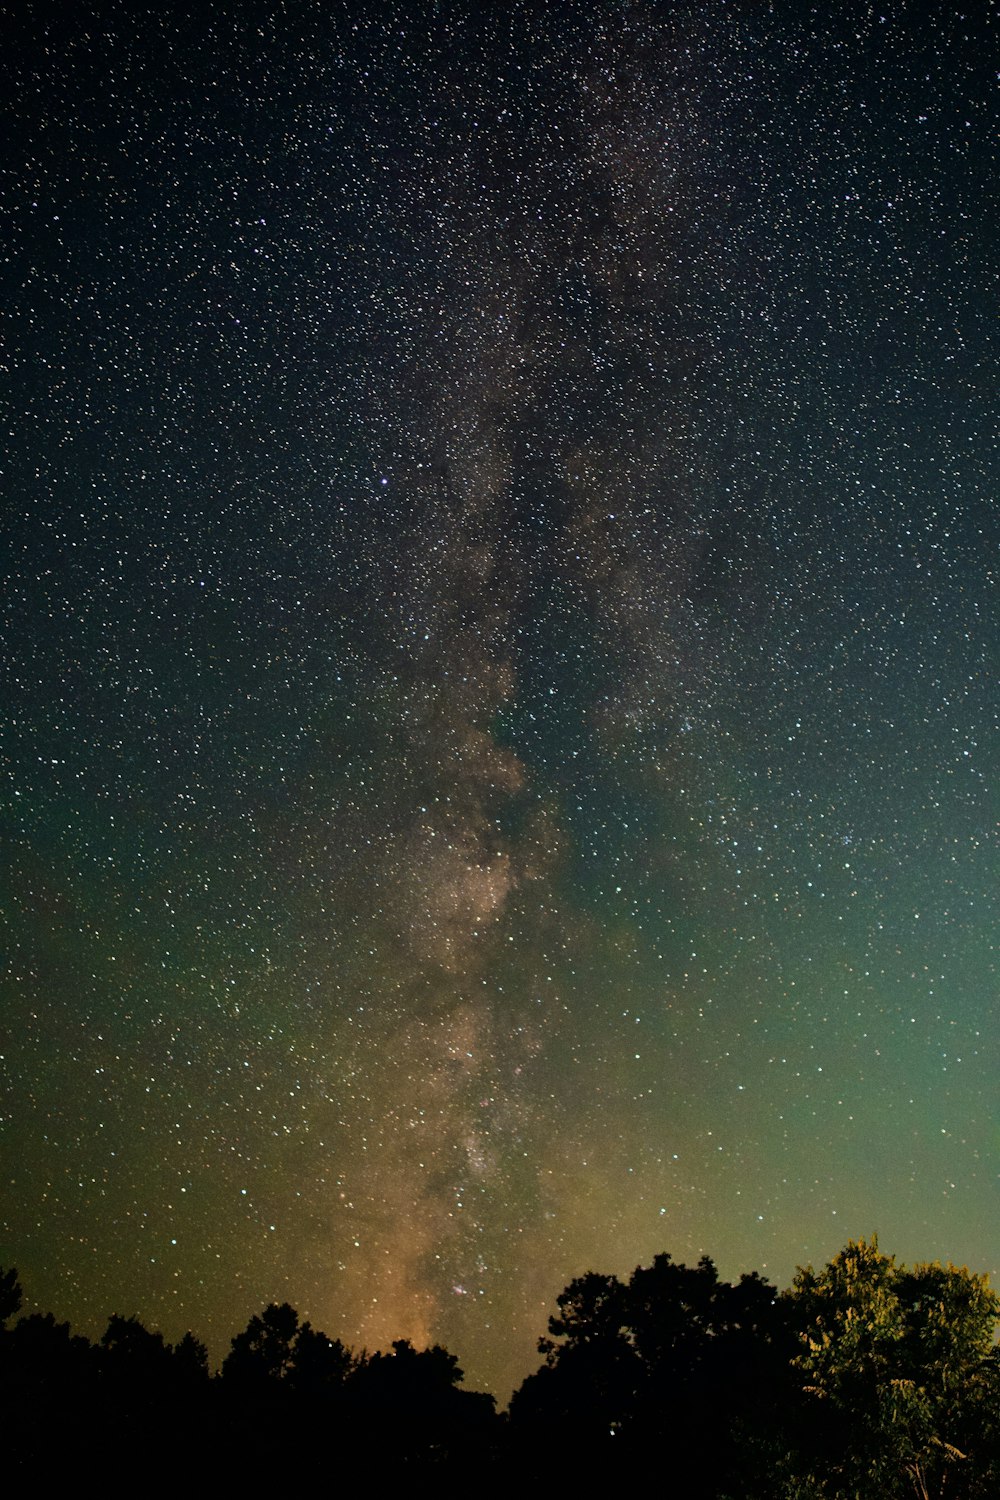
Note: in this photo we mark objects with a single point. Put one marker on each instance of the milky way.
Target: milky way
(499, 656)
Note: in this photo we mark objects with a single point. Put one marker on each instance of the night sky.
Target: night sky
(498, 655)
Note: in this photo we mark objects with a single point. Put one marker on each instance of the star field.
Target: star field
(499, 654)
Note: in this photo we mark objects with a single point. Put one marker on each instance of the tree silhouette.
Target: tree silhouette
(319, 1365)
(411, 1398)
(867, 1378)
(263, 1353)
(675, 1360)
(11, 1296)
(591, 1371)
(48, 1389)
(133, 1357)
(404, 1375)
(190, 1359)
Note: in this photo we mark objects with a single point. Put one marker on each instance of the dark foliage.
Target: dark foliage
(675, 1361)
(865, 1378)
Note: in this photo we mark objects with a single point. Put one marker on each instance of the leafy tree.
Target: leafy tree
(46, 1396)
(45, 1355)
(190, 1358)
(591, 1369)
(592, 1312)
(275, 1352)
(409, 1401)
(898, 1364)
(408, 1377)
(263, 1353)
(675, 1360)
(134, 1356)
(318, 1365)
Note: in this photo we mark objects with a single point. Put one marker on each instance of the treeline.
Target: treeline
(865, 1379)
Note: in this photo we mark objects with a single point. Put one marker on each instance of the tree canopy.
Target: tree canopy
(865, 1378)
(903, 1361)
